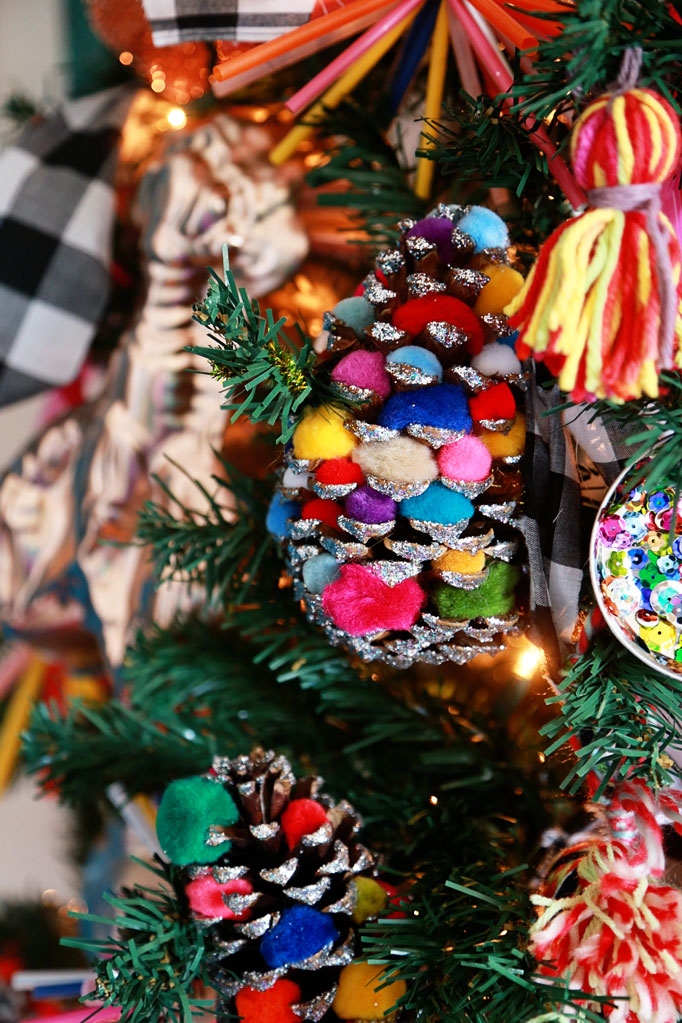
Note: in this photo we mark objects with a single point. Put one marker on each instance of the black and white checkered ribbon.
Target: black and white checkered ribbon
(56, 215)
(176, 21)
(556, 522)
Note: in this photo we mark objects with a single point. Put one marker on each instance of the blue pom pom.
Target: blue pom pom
(279, 511)
(319, 571)
(487, 229)
(437, 504)
(356, 312)
(300, 933)
(444, 405)
(421, 358)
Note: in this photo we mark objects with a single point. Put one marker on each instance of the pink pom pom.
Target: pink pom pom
(360, 602)
(364, 369)
(467, 459)
(206, 897)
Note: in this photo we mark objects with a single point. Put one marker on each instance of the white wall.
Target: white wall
(31, 48)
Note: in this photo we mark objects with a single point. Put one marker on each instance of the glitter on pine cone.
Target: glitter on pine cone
(281, 901)
(417, 464)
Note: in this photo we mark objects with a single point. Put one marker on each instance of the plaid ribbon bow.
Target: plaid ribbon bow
(56, 214)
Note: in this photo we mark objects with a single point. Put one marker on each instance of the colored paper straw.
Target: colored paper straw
(298, 37)
(261, 68)
(338, 92)
(324, 80)
(413, 49)
(498, 69)
(464, 57)
(25, 694)
(108, 1014)
(504, 23)
(435, 84)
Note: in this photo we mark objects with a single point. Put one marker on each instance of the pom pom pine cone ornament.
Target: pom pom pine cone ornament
(272, 869)
(398, 506)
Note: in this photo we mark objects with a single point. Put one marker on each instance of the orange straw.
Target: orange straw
(501, 20)
(328, 23)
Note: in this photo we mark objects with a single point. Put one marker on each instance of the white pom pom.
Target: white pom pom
(496, 360)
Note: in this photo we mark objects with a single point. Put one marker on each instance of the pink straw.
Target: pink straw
(110, 1014)
(498, 69)
(321, 82)
(464, 57)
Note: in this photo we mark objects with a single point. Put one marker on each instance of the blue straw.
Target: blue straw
(414, 49)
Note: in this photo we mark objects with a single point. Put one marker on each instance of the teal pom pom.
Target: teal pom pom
(495, 596)
(300, 933)
(420, 358)
(437, 504)
(319, 571)
(279, 512)
(355, 312)
(485, 227)
(189, 807)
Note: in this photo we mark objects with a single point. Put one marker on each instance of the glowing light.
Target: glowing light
(433, 800)
(260, 115)
(50, 897)
(528, 661)
(125, 57)
(177, 118)
(158, 85)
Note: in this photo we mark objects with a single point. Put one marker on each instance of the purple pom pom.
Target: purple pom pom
(437, 230)
(370, 506)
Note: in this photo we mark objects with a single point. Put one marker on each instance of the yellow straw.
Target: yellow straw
(339, 91)
(434, 98)
(25, 694)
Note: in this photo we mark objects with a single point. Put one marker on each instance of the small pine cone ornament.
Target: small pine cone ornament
(608, 923)
(398, 506)
(272, 868)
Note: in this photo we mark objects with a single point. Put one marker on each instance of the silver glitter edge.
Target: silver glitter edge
(398, 491)
(420, 284)
(434, 436)
(365, 530)
(470, 488)
(462, 581)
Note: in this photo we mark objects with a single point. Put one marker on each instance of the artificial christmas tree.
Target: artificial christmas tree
(452, 766)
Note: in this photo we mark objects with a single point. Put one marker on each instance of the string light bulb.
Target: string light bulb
(177, 118)
(529, 659)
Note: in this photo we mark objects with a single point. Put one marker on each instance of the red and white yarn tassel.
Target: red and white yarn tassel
(619, 935)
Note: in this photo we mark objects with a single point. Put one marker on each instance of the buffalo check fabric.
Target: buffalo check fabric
(56, 215)
(571, 458)
(247, 21)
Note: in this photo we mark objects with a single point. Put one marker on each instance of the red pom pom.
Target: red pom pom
(271, 1006)
(339, 470)
(302, 817)
(495, 403)
(394, 899)
(360, 602)
(205, 896)
(415, 314)
(326, 511)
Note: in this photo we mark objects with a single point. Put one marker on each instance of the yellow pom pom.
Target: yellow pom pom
(321, 434)
(370, 899)
(504, 445)
(461, 561)
(504, 284)
(356, 998)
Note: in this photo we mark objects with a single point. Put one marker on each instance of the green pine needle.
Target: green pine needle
(267, 377)
(151, 967)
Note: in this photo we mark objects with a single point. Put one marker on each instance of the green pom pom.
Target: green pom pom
(188, 809)
(495, 596)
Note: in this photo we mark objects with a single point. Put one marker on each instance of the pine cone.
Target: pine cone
(417, 558)
(279, 882)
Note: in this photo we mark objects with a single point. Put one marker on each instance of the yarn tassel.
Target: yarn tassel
(607, 924)
(601, 306)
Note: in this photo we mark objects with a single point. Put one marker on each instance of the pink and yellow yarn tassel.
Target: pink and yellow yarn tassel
(601, 306)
